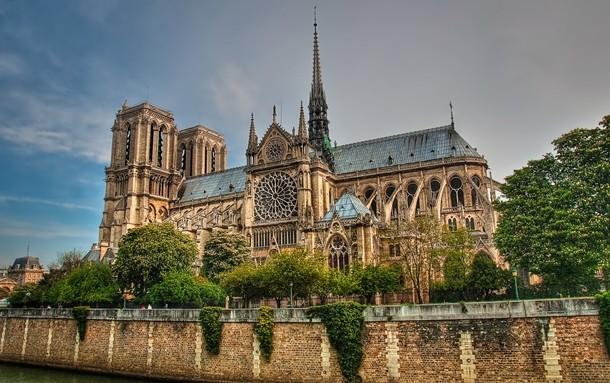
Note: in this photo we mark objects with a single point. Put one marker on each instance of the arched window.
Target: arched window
(213, 160)
(473, 192)
(183, 160)
(469, 223)
(127, 144)
(389, 191)
(339, 257)
(457, 193)
(160, 149)
(151, 144)
(411, 191)
(190, 160)
(368, 193)
(452, 223)
(205, 159)
(435, 187)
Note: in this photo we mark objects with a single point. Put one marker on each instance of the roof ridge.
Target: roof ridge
(217, 172)
(378, 139)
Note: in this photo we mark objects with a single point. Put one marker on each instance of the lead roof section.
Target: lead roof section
(214, 184)
(347, 206)
(406, 148)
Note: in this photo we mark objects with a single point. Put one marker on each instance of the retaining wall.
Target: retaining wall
(557, 340)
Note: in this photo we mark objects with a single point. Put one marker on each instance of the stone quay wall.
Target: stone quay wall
(558, 340)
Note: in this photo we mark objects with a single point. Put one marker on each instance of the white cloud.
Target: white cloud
(11, 228)
(65, 205)
(233, 91)
(10, 65)
(54, 127)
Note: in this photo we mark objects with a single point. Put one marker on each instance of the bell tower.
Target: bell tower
(142, 177)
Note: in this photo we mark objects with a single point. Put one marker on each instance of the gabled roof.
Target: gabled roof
(213, 184)
(406, 148)
(92, 256)
(347, 206)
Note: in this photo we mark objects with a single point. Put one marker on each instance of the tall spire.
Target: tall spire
(451, 108)
(316, 83)
(318, 120)
(253, 140)
(302, 128)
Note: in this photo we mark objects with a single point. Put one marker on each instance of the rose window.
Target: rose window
(275, 149)
(275, 196)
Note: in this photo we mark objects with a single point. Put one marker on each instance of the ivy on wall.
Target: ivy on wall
(264, 331)
(344, 322)
(603, 300)
(209, 317)
(80, 313)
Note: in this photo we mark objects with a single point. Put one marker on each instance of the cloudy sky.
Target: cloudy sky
(519, 74)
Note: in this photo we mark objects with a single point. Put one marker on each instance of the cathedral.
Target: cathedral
(296, 189)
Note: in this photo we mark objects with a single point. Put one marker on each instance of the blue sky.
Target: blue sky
(519, 74)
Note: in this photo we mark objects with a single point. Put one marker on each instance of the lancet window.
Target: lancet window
(339, 256)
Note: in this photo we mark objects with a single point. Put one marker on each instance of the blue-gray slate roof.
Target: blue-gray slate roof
(213, 184)
(406, 148)
(347, 206)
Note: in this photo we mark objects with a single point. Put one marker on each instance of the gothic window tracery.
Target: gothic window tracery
(452, 224)
(457, 192)
(411, 192)
(470, 223)
(151, 144)
(389, 191)
(275, 197)
(339, 256)
(473, 192)
(275, 149)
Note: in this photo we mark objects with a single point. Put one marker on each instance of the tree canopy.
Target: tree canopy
(185, 290)
(556, 217)
(224, 251)
(148, 253)
(92, 284)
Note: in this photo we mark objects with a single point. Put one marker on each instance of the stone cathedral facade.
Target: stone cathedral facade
(296, 190)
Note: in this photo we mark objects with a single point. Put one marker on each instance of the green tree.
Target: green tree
(373, 279)
(243, 281)
(148, 253)
(556, 216)
(27, 295)
(92, 284)
(224, 251)
(295, 271)
(420, 242)
(185, 290)
(486, 277)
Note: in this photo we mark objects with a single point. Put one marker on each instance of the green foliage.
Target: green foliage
(264, 331)
(373, 279)
(148, 253)
(419, 242)
(485, 277)
(185, 290)
(344, 323)
(223, 252)
(212, 328)
(556, 218)
(243, 281)
(80, 313)
(90, 284)
(28, 295)
(603, 300)
(296, 267)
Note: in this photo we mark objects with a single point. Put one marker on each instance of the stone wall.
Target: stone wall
(526, 341)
